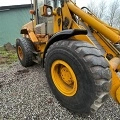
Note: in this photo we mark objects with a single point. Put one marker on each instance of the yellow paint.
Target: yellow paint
(33, 37)
(115, 84)
(66, 75)
(41, 44)
(80, 37)
(66, 13)
(57, 27)
(64, 78)
(108, 26)
(20, 52)
(118, 94)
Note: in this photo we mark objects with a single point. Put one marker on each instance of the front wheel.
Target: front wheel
(78, 75)
(24, 48)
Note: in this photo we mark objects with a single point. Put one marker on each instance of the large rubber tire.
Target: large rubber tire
(24, 48)
(91, 70)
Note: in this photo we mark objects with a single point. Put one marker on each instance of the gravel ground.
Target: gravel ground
(25, 95)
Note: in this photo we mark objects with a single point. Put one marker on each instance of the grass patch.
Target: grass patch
(7, 57)
(2, 49)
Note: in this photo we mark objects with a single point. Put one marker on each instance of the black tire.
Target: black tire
(91, 70)
(26, 47)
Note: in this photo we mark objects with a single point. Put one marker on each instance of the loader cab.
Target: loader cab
(44, 25)
(39, 3)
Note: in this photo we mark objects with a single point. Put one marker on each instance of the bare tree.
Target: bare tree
(102, 9)
(117, 22)
(99, 9)
(108, 13)
(92, 7)
(112, 12)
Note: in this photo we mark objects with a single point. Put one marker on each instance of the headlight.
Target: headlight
(49, 11)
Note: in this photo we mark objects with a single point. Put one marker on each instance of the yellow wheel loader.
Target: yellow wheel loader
(80, 53)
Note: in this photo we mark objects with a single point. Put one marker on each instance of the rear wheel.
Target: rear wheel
(78, 75)
(24, 49)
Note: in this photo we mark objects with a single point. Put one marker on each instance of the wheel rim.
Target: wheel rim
(20, 52)
(64, 78)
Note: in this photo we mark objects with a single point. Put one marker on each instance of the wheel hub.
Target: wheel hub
(66, 76)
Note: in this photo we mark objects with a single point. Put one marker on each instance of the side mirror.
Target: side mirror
(46, 11)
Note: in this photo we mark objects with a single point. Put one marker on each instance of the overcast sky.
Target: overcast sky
(80, 3)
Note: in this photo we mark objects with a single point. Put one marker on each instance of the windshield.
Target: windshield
(53, 3)
(40, 3)
(50, 3)
(58, 3)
